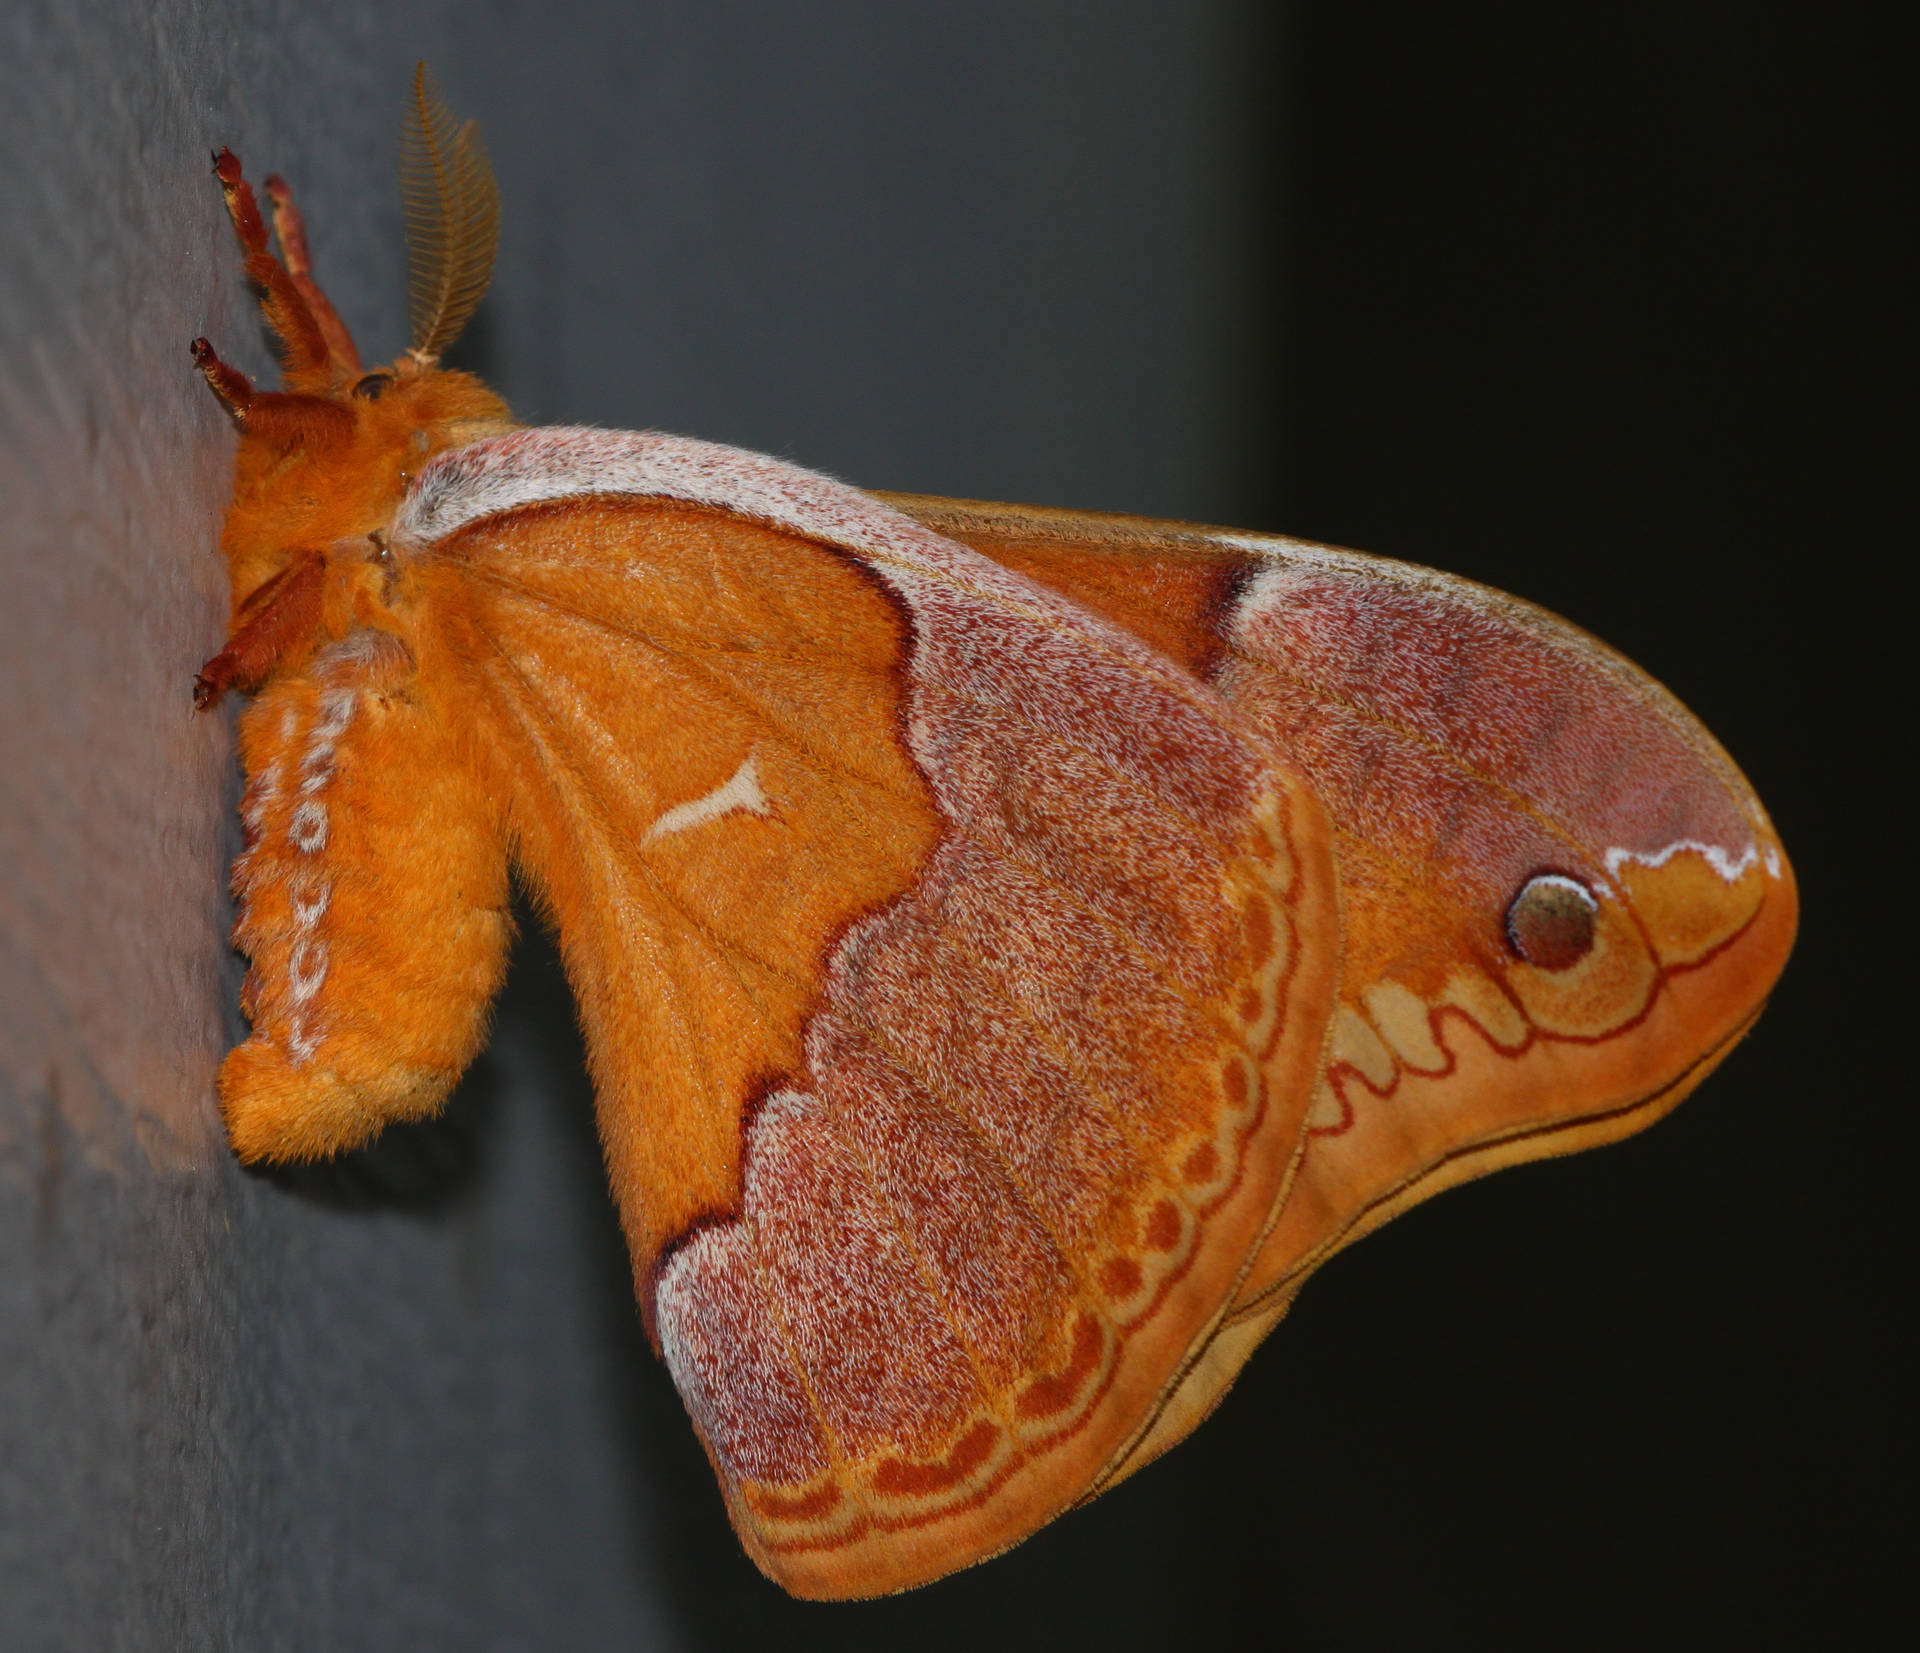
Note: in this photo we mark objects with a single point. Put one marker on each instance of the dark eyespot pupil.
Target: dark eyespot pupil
(1551, 921)
(373, 386)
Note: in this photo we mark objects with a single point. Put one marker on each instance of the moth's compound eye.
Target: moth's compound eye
(1551, 921)
(372, 386)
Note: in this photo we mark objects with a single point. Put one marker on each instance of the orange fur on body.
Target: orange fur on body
(373, 901)
(414, 819)
(374, 887)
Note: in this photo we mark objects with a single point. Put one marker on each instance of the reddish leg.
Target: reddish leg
(309, 365)
(292, 230)
(278, 617)
(273, 414)
(232, 388)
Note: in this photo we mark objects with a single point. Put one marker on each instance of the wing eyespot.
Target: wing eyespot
(1552, 921)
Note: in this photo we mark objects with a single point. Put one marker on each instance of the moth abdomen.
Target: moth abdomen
(373, 906)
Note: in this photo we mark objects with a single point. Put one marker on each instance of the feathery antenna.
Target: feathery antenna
(453, 218)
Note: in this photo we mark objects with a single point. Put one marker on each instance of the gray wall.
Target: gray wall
(1587, 301)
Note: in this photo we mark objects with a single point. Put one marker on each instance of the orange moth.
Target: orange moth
(1015, 947)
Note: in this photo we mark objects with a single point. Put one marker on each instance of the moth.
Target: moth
(1015, 947)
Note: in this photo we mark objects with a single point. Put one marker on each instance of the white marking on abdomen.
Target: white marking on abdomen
(309, 897)
(336, 712)
(308, 828)
(260, 795)
(306, 968)
(741, 793)
(309, 892)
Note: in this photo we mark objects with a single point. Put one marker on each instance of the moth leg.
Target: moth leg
(281, 417)
(274, 619)
(291, 228)
(309, 364)
(231, 388)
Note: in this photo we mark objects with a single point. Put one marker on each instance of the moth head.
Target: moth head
(329, 456)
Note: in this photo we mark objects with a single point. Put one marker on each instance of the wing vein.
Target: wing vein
(1119, 779)
(587, 812)
(749, 710)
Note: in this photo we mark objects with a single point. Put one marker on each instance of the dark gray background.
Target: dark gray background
(1585, 301)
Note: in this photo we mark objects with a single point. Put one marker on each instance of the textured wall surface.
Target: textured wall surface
(1588, 308)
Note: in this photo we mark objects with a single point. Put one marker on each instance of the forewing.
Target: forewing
(955, 973)
(1471, 750)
